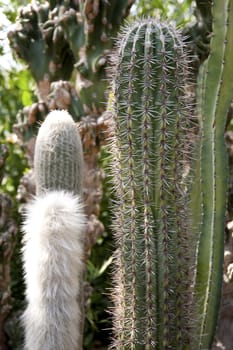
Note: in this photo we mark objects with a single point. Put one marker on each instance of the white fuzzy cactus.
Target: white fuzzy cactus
(54, 239)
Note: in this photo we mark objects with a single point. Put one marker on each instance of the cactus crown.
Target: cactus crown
(58, 155)
(151, 119)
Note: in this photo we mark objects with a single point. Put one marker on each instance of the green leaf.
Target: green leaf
(26, 98)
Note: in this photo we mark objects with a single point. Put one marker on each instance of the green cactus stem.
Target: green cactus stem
(209, 206)
(90, 38)
(151, 122)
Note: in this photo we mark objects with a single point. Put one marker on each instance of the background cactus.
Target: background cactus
(57, 39)
(155, 245)
(53, 250)
(209, 200)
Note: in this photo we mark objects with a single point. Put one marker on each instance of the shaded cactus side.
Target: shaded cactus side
(53, 251)
(215, 91)
(151, 123)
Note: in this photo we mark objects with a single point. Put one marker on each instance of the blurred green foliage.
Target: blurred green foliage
(16, 91)
(178, 11)
(10, 8)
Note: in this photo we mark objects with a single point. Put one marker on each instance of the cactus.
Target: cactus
(151, 122)
(165, 226)
(54, 240)
(58, 156)
(215, 91)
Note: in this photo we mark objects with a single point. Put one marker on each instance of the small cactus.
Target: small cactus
(54, 240)
(151, 124)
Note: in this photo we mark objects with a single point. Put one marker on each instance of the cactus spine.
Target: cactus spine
(215, 94)
(151, 118)
(54, 240)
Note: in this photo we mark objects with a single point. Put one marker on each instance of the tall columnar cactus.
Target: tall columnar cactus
(155, 246)
(215, 92)
(54, 240)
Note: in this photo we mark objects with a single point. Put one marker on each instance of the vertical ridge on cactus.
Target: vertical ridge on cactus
(150, 129)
